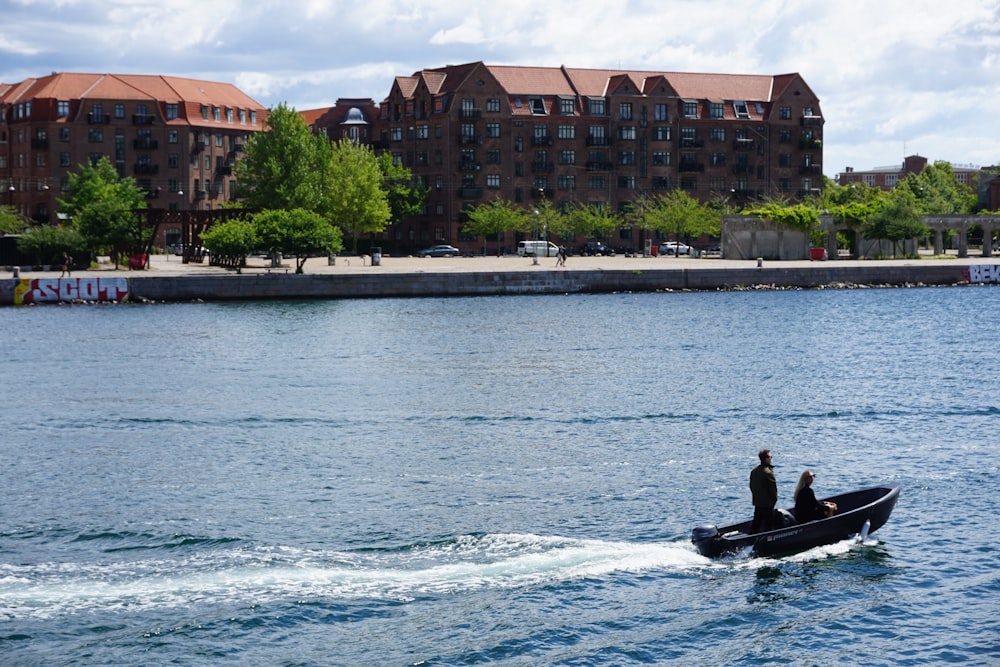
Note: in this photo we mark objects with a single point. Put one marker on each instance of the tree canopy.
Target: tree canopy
(355, 198)
(297, 232)
(102, 207)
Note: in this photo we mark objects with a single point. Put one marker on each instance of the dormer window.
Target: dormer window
(741, 110)
(537, 105)
(690, 109)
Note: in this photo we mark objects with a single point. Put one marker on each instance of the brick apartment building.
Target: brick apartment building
(474, 132)
(886, 178)
(177, 137)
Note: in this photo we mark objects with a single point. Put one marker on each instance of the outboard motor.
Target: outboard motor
(702, 537)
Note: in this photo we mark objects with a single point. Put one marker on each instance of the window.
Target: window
(742, 112)
(690, 109)
(784, 136)
(717, 134)
(424, 131)
(784, 160)
(567, 182)
(537, 105)
(95, 135)
(567, 157)
(243, 116)
(493, 130)
(567, 106)
(627, 132)
(119, 111)
(395, 134)
(567, 132)
(661, 158)
(172, 111)
(97, 110)
(493, 181)
(62, 109)
(716, 110)
(718, 159)
(625, 111)
(204, 112)
(173, 160)
(64, 134)
(785, 113)
(216, 114)
(229, 116)
(493, 105)
(219, 139)
(64, 159)
(595, 136)
(660, 113)
(626, 182)
(626, 157)
(596, 182)
(689, 183)
(596, 105)
(493, 156)
(661, 133)
(253, 118)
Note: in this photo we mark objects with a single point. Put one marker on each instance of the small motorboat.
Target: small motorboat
(858, 513)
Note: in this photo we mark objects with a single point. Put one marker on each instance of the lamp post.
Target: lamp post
(534, 255)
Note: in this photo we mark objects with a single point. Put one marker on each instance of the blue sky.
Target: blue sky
(894, 77)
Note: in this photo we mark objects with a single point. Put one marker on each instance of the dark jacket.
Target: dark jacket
(763, 486)
(807, 508)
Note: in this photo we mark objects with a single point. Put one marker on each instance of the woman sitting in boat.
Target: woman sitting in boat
(807, 508)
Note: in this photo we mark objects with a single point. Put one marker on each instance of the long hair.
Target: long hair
(803, 482)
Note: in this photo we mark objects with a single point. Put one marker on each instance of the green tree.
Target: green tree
(46, 244)
(936, 191)
(679, 213)
(231, 241)
(897, 219)
(297, 232)
(355, 200)
(495, 217)
(284, 166)
(11, 222)
(403, 196)
(593, 220)
(102, 206)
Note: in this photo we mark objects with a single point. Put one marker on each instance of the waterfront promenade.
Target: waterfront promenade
(169, 279)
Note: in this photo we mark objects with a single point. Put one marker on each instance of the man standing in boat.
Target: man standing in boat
(764, 489)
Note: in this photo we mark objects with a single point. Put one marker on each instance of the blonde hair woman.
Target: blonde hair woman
(807, 508)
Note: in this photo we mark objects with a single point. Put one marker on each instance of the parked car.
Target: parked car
(439, 251)
(596, 248)
(712, 250)
(674, 248)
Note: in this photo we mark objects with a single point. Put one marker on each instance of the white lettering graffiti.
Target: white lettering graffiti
(984, 273)
(46, 290)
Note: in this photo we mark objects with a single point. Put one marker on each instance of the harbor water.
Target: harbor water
(506, 480)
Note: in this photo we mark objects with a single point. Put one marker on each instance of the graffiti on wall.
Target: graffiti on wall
(48, 290)
(984, 273)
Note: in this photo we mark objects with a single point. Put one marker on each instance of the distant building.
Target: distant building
(354, 119)
(474, 132)
(886, 178)
(177, 137)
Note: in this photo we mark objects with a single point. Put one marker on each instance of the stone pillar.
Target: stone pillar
(963, 240)
(938, 241)
(987, 240)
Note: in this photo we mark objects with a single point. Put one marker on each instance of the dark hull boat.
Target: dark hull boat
(858, 513)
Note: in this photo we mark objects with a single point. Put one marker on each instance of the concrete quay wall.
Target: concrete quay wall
(327, 286)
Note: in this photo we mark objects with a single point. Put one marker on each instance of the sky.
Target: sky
(894, 77)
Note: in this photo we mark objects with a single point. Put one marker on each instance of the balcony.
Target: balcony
(470, 114)
(598, 141)
(742, 169)
(145, 168)
(543, 167)
(812, 121)
(152, 193)
(198, 146)
(470, 193)
(600, 166)
(542, 140)
(692, 142)
(810, 144)
(40, 143)
(743, 143)
(224, 170)
(691, 167)
(470, 139)
(469, 165)
(661, 183)
(811, 169)
(98, 119)
(143, 119)
(145, 144)
(542, 193)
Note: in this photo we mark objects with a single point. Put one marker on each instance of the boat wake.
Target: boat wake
(246, 574)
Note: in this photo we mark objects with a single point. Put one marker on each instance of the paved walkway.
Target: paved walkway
(171, 265)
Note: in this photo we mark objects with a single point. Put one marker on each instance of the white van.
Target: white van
(537, 249)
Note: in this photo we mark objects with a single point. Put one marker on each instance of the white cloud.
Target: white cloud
(888, 74)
